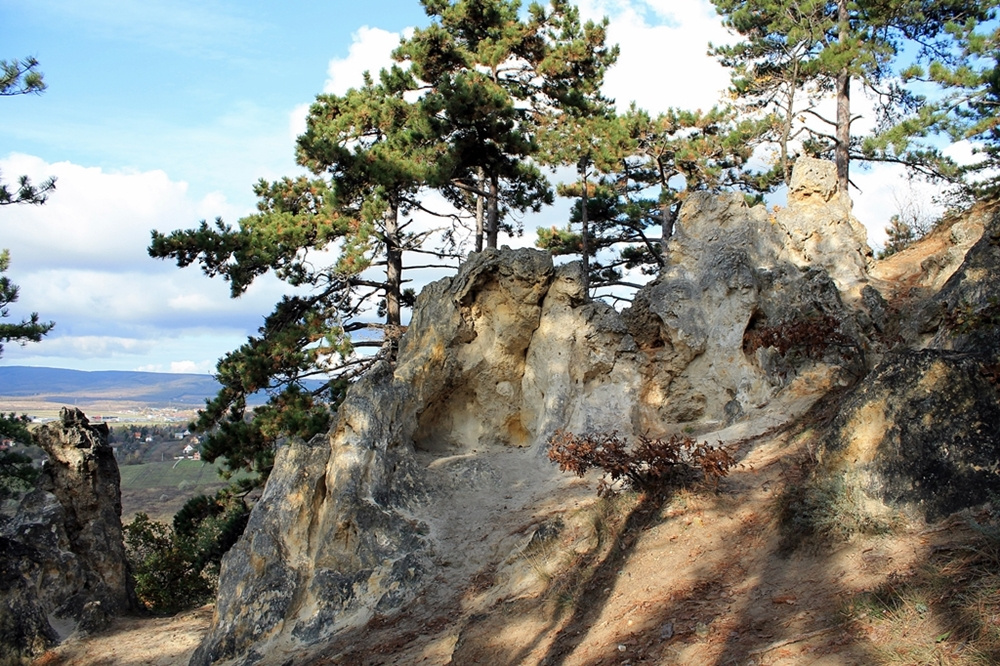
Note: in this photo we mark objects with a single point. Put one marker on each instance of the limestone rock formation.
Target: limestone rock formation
(822, 233)
(399, 502)
(64, 568)
(920, 431)
(736, 273)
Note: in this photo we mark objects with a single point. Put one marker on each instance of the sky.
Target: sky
(162, 113)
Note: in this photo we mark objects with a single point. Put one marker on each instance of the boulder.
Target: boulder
(919, 432)
(898, 439)
(67, 570)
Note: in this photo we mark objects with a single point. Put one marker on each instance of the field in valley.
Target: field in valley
(160, 489)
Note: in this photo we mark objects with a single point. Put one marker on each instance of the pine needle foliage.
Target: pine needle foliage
(794, 54)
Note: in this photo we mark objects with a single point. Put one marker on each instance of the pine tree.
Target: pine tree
(667, 156)
(369, 158)
(31, 329)
(21, 77)
(489, 76)
(687, 151)
(801, 50)
(968, 70)
(588, 135)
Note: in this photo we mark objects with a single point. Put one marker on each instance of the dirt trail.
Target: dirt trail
(134, 641)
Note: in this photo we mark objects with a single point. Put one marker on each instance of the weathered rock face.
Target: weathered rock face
(367, 519)
(349, 525)
(735, 271)
(920, 431)
(821, 231)
(68, 570)
(24, 626)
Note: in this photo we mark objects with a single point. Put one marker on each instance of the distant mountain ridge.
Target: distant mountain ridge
(60, 385)
(156, 389)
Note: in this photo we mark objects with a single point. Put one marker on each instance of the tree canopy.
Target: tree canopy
(645, 167)
(968, 70)
(489, 77)
(22, 77)
(338, 239)
(795, 53)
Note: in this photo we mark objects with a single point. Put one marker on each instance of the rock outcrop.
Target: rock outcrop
(400, 501)
(740, 276)
(64, 566)
(919, 433)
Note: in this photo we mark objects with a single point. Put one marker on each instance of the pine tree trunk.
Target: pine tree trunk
(586, 232)
(786, 128)
(667, 217)
(493, 217)
(393, 268)
(479, 213)
(843, 145)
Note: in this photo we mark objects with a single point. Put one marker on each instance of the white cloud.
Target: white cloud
(81, 261)
(197, 302)
(371, 51)
(297, 120)
(92, 346)
(192, 367)
(94, 219)
(663, 59)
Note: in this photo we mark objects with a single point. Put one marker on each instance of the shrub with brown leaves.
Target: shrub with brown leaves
(811, 336)
(650, 465)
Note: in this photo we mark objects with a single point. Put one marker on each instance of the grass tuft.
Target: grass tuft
(820, 511)
(947, 611)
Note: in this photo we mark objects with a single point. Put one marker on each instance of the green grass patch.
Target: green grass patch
(171, 474)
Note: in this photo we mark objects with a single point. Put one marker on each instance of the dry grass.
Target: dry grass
(947, 610)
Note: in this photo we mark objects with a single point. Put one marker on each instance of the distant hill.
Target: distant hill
(69, 386)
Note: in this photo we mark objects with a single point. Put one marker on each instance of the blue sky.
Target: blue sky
(161, 113)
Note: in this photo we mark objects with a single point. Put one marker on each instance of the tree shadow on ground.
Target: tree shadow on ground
(591, 584)
(572, 600)
(745, 580)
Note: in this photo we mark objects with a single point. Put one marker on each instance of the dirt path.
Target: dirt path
(164, 641)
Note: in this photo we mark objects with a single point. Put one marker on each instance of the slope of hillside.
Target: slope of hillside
(696, 577)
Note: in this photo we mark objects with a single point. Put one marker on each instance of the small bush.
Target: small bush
(811, 337)
(825, 510)
(651, 465)
(178, 568)
(166, 578)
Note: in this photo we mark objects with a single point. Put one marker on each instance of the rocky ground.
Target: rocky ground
(136, 641)
(703, 576)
